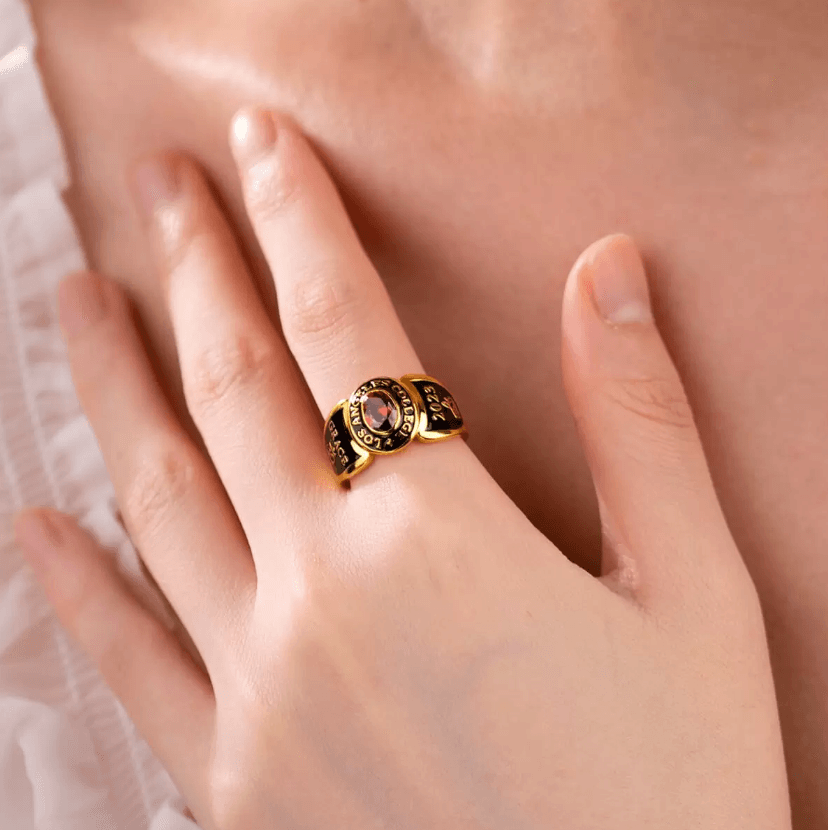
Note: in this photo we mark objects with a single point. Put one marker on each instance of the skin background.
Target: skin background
(480, 147)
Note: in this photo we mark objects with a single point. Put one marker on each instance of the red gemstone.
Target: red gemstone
(380, 413)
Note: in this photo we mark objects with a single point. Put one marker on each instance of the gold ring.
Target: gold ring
(384, 415)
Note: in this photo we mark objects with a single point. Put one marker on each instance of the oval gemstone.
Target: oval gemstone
(380, 413)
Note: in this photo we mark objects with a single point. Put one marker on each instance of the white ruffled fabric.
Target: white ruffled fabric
(69, 755)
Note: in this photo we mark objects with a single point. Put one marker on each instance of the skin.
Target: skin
(409, 651)
(474, 182)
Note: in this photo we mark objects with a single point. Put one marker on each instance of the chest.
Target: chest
(473, 204)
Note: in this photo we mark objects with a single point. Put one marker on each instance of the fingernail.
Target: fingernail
(253, 136)
(38, 534)
(615, 275)
(81, 303)
(156, 183)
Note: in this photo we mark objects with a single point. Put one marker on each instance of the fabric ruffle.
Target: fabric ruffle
(70, 758)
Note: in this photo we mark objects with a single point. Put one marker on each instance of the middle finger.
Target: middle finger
(241, 384)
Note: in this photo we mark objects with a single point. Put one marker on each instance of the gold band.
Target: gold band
(384, 415)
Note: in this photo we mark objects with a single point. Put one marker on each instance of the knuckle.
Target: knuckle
(407, 512)
(659, 400)
(182, 229)
(96, 366)
(97, 354)
(161, 481)
(228, 810)
(735, 599)
(273, 187)
(231, 798)
(731, 633)
(221, 371)
(93, 597)
(321, 306)
(107, 646)
(107, 652)
(181, 235)
(719, 600)
(79, 608)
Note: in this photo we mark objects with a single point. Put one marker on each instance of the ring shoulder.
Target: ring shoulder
(441, 416)
(347, 457)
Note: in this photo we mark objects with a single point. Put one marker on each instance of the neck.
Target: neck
(765, 49)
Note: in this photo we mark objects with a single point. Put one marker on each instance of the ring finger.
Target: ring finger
(336, 314)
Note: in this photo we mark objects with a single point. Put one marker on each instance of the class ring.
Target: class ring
(383, 416)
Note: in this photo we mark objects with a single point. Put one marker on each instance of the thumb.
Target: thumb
(662, 522)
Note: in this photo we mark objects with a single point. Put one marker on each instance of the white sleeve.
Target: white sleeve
(69, 756)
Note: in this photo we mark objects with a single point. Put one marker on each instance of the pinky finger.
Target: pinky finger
(166, 695)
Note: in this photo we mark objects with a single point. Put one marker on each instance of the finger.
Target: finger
(169, 495)
(167, 697)
(662, 519)
(336, 314)
(241, 383)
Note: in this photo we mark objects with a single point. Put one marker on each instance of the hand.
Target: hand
(409, 652)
